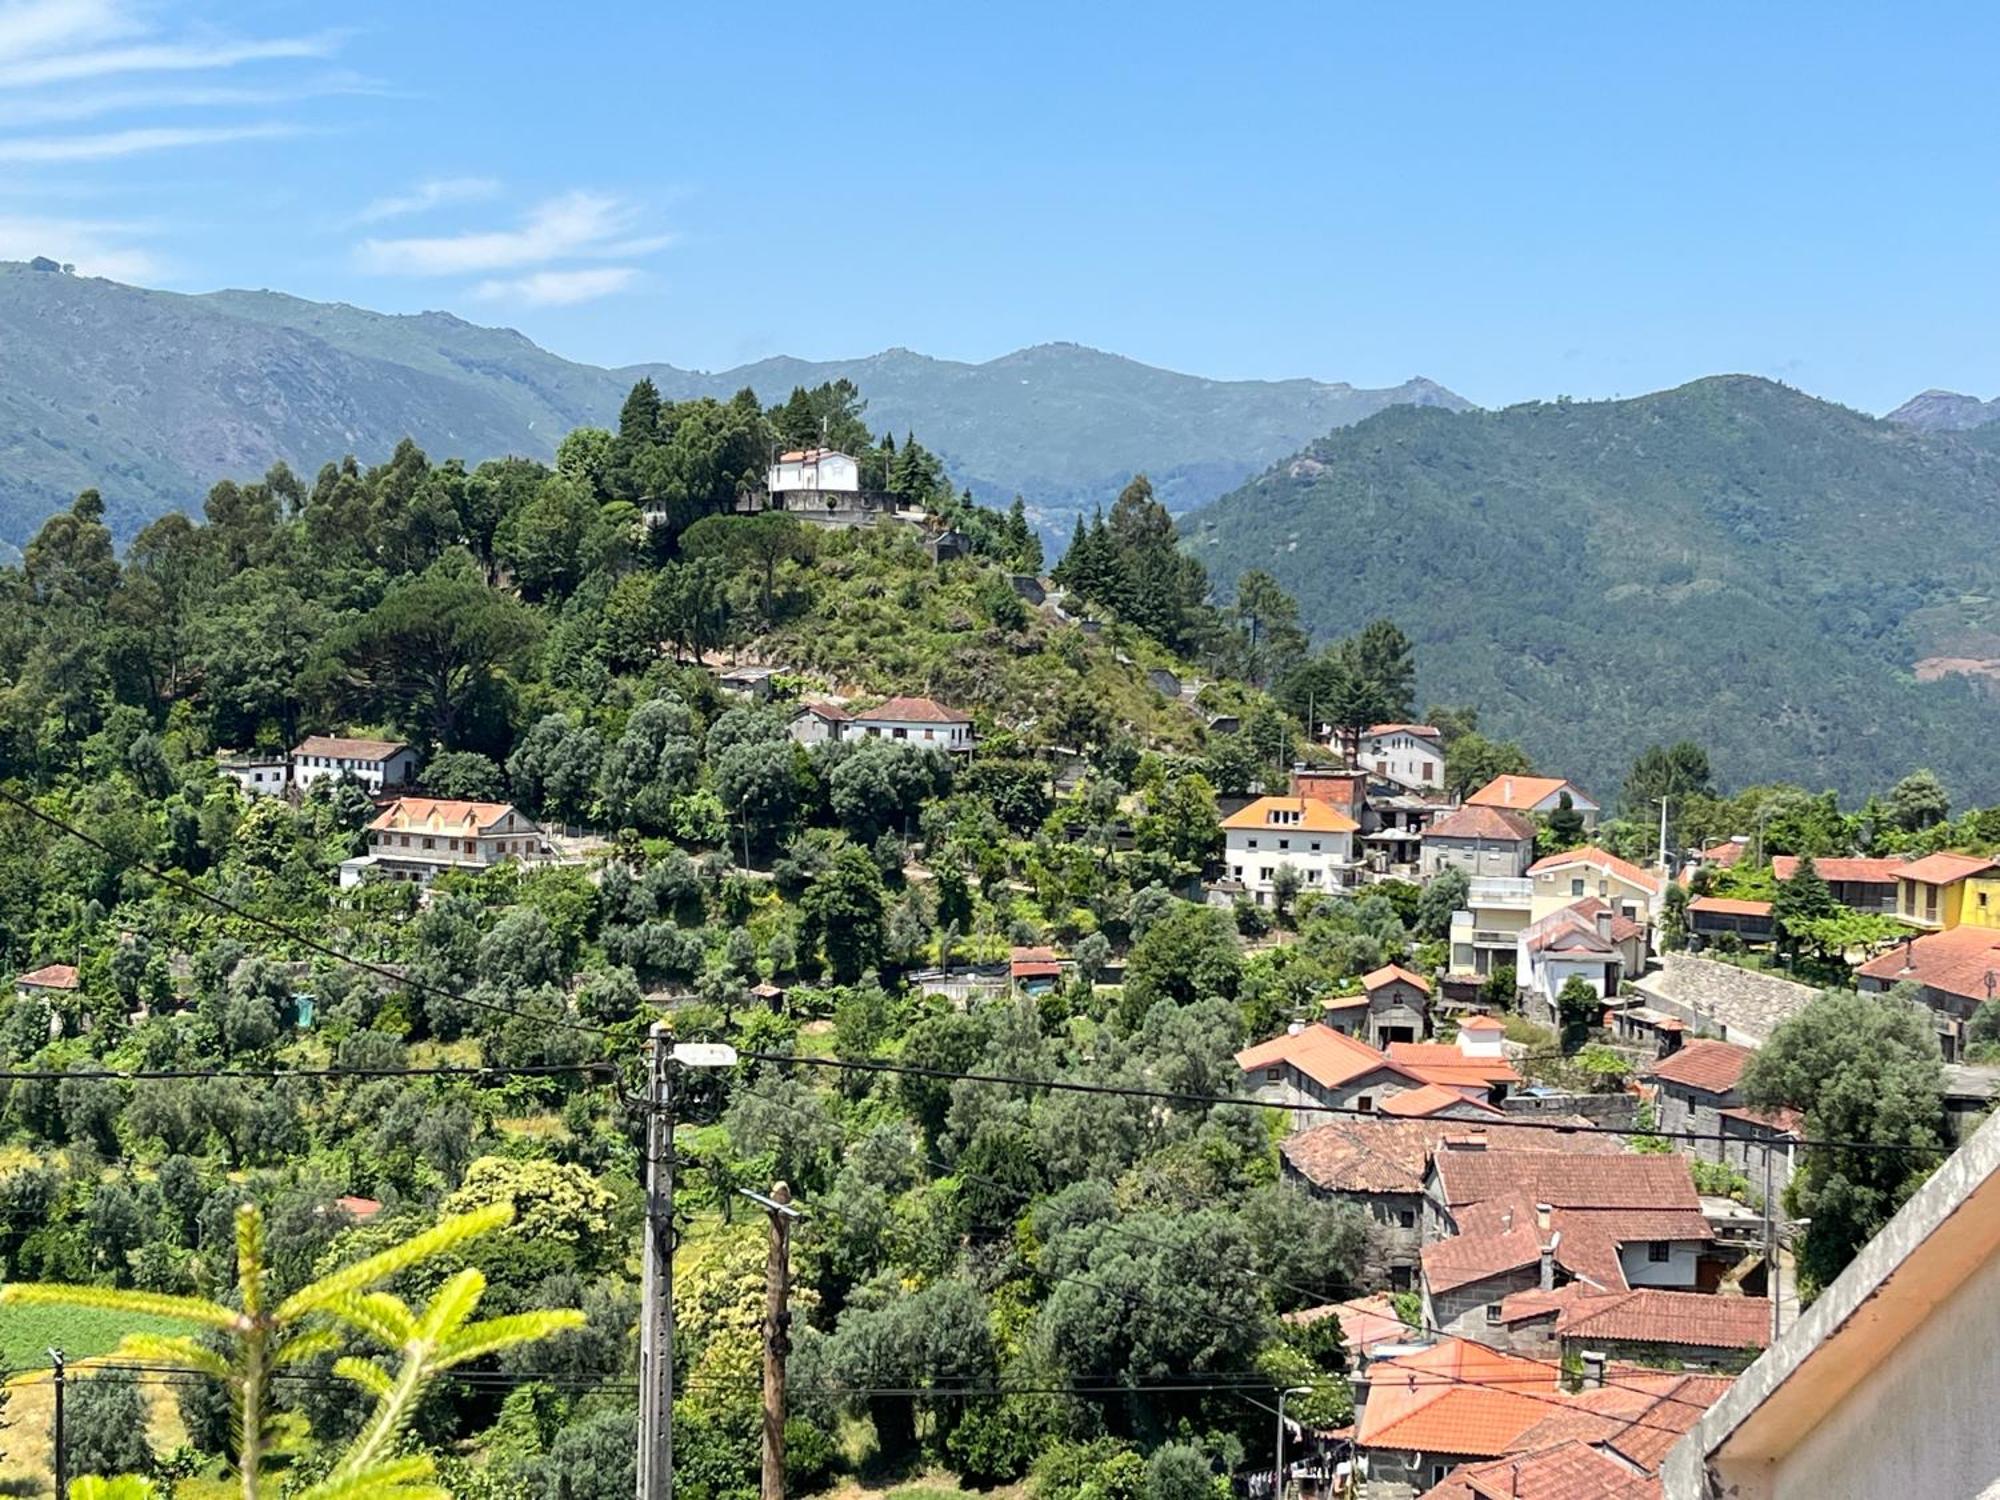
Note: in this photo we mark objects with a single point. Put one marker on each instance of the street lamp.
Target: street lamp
(1292, 1390)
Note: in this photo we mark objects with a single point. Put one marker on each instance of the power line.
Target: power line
(156, 1075)
(1217, 1101)
(289, 933)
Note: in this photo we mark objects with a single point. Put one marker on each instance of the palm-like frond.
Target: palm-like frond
(478, 1339)
(365, 1373)
(165, 1349)
(377, 1314)
(250, 1258)
(112, 1299)
(447, 1235)
(398, 1479)
(125, 1487)
(451, 1305)
(306, 1346)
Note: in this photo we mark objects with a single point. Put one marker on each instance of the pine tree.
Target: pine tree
(639, 417)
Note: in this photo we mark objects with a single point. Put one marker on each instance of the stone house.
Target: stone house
(1645, 1325)
(1399, 1005)
(1421, 1413)
(1316, 1065)
(1484, 842)
(1699, 1089)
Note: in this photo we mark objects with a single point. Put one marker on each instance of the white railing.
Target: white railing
(1501, 891)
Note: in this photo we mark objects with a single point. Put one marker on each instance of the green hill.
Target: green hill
(1731, 561)
(151, 396)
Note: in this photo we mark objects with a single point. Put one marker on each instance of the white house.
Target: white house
(802, 478)
(419, 838)
(1535, 794)
(1308, 835)
(257, 775)
(1410, 753)
(1586, 940)
(921, 722)
(377, 764)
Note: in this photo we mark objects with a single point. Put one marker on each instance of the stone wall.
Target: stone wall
(1719, 999)
(1619, 1111)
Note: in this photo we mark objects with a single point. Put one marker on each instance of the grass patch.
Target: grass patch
(28, 1333)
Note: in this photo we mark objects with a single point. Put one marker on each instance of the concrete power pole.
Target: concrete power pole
(656, 1319)
(777, 1332)
(58, 1436)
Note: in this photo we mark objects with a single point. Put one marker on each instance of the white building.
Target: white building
(800, 478)
(921, 722)
(1410, 753)
(377, 764)
(257, 775)
(1308, 835)
(419, 838)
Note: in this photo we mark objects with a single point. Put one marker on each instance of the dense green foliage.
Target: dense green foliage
(1731, 562)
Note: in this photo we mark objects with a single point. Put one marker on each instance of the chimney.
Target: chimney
(1542, 1213)
(1295, 1028)
(1604, 925)
(1909, 952)
(1548, 1250)
(1593, 1369)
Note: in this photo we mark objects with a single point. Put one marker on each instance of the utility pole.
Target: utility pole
(61, 1446)
(1278, 1490)
(777, 1332)
(656, 1318)
(1663, 835)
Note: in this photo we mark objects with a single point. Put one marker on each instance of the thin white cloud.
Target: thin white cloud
(68, 106)
(434, 193)
(161, 57)
(576, 225)
(116, 143)
(94, 248)
(557, 288)
(29, 27)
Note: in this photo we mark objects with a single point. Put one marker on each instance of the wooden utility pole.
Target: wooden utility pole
(777, 1332)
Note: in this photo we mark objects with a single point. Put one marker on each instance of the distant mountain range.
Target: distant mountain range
(152, 396)
(1812, 593)
(1945, 411)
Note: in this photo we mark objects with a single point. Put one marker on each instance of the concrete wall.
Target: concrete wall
(1497, 858)
(1678, 1270)
(1394, 1475)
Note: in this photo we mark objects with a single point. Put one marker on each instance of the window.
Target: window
(1252, 843)
(1659, 1252)
(1399, 1278)
(1271, 1075)
(1366, 1101)
(1492, 1312)
(1284, 843)
(1430, 770)
(1406, 1218)
(1439, 1473)
(1315, 849)
(430, 843)
(1576, 886)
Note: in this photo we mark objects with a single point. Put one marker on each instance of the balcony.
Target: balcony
(1466, 931)
(1500, 893)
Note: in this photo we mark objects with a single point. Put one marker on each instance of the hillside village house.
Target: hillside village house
(1712, 919)
(1955, 973)
(1699, 1089)
(1412, 754)
(1312, 837)
(813, 478)
(1475, 1066)
(1395, 1006)
(1316, 1065)
(420, 838)
(258, 775)
(1534, 794)
(1883, 1386)
(1484, 842)
(46, 982)
(1425, 1411)
(1585, 1325)
(922, 722)
(1858, 884)
(1586, 940)
(377, 764)
(1931, 892)
(1561, 879)
(815, 723)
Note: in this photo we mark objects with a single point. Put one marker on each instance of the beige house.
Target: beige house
(1563, 879)
(1884, 1386)
(420, 838)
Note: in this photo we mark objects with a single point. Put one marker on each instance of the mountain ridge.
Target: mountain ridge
(1937, 410)
(1731, 560)
(151, 396)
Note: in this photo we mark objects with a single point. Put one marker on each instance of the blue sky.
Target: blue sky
(1516, 200)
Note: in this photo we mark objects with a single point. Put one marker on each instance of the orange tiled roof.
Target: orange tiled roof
(1365, 1322)
(1428, 731)
(1954, 963)
(1443, 1062)
(1714, 1067)
(1476, 821)
(1624, 1181)
(1730, 906)
(1567, 1471)
(1943, 869)
(1326, 1056)
(1315, 815)
(1392, 1155)
(50, 977)
(1429, 1100)
(1853, 871)
(1389, 974)
(1493, 1238)
(1602, 860)
(440, 815)
(1725, 853)
(1652, 1315)
(1638, 1416)
(1522, 793)
(1455, 1397)
(913, 711)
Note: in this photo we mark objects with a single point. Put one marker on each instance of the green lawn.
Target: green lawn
(28, 1333)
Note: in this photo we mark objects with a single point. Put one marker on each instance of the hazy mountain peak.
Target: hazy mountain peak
(1945, 411)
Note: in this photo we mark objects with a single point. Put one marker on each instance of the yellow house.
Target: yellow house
(1939, 891)
(1563, 879)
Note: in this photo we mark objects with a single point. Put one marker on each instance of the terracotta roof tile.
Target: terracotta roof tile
(1431, 1099)
(50, 977)
(1944, 868)
(1365, 1322)
(1389, 974)
(1475, 821)
(1567, 1180)
(913, 711)
(440, 815)
(1445, 1063)
(1392, 1155)
(1326, 1056)
(1714, 1067)
(1852, 871)
(1567, 1471)
(1654, 1316)
(1455, 1397)
(1638, 1415)
(341, 748)
(1602, 860)
(1730, 906)
(1522, 793)
(1310, 815)
(1428, 731)
(1955, 962)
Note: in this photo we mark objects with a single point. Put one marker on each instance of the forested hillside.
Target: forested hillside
(996, 1279)
(1732, 561)
(147, 396)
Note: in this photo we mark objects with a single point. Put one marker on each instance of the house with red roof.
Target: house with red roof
(1569, 1470)
(1560, 879)
(1501, 1222)
(1955, 972)
(1312, 838)
(1399, 1005)
(922, 722)
(1699, 1088)
(420, 838)
(815, 722)
(1412, 754)
(1858, 884)
(1647, 1325)
(1484, 842)
(1586, 939)
(48, 981)
(376, 764)
(1317, 1065)
(1422, 1413)
(1539, 795)
(1930, 892)
(1712, 919)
